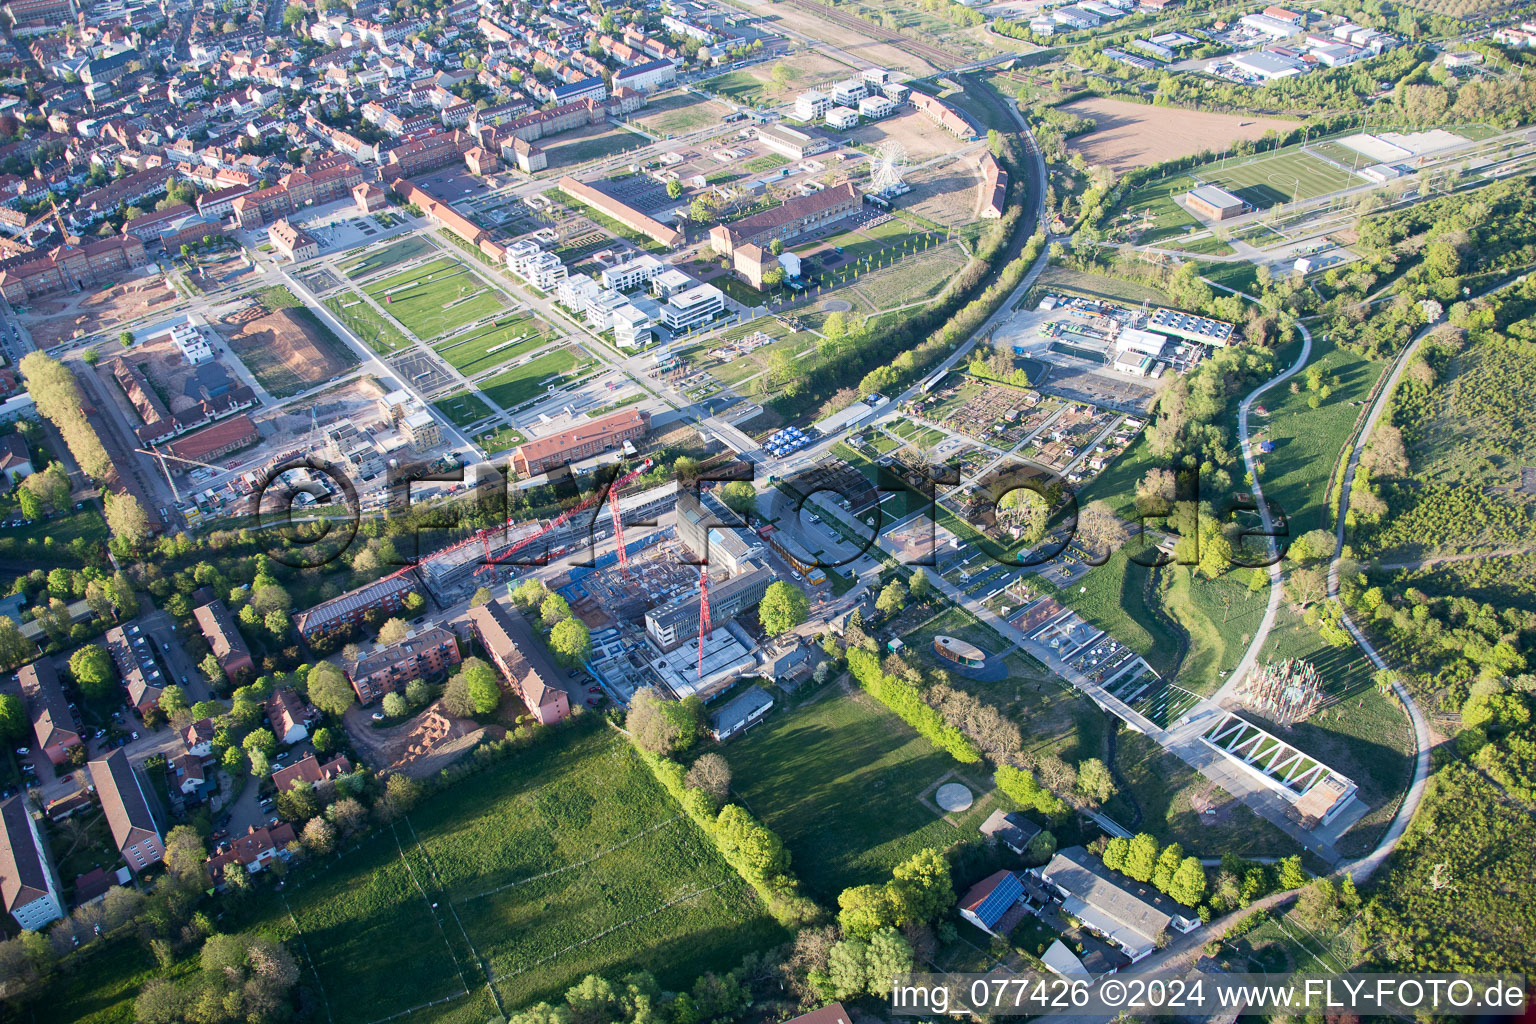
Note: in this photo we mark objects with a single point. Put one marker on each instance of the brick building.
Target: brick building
(52, 722)
(511, 646)
(223, 636)
(798, 216)
(580, 442)
(388, 669)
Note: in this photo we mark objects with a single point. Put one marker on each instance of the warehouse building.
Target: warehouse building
(1178, 324)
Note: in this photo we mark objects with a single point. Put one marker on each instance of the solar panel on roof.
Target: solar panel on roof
(1005, 895)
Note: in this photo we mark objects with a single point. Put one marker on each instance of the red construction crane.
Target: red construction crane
(704, 627)
(618, 529)
(612, 494)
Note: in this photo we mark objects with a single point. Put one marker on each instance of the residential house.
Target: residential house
(15, 459)
(53, 721)
(1011, 829)
(995, 904)
(126, 804)
(289, 716)
(1130, 914)
(387, 669)
(310, 770)
(511, 646)
(199, 737)
(28, 880)
(253, 851)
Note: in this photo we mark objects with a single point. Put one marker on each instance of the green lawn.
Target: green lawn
(564, 860)
(500, 439)
(502, 341)
(102, 984)
(463, 408)
(518, 385)
(680, 113)
(1219, 616)
(593, 147)
(740, 86)
(435, 297)
(393, 253)
(1100, 286)
(375, 331)
(1113, 596)
(839, 780)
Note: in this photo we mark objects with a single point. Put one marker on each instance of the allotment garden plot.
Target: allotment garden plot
(435, 297)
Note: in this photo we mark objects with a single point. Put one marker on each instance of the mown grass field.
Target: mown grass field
(839, 779)
(1113, 596)
(381, 259)
(463, 408)
(375, 331)
(435, 297)
(530, 380)
(680, 113)
(502, 341)
(565, 860)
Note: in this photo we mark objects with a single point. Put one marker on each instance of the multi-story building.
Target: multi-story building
(218, 440)
(692, 307)
(646, 77)
(69, 267)
(674, 623)
(223, 636)
(387, 669)
(28, 880)
(134, 655)
(387, 594)
(422, 430)
(632, 326)
(792, 142)
(543, 270)
(324, 181)
(632, 273)
(293, 242)
(128, 812)
(848, 92)
(53, 723)
(188, 337)
(344, 443)
(510, 645)
(798, 216)
(714, 533)
(812, 105)
(621, 212)
(580, 442)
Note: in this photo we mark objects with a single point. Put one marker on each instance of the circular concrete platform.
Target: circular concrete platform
(836, 306)
(953, 797)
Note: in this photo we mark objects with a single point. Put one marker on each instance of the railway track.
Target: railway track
(940, 58)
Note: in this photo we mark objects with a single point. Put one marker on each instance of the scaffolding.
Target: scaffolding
(1286, 692)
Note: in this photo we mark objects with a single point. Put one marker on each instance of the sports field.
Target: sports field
(482, 348)
(375, 331)
(564, 860)
(435, 297)
(841, 781)
(1263, 181)
(391, 254)
(530, 380)
(680, 113)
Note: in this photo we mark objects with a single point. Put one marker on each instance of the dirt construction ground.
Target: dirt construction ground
(420, 747)
(278, 345)
(61, 317)
(1130, 135)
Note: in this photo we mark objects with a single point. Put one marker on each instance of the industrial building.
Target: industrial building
(1177, 324)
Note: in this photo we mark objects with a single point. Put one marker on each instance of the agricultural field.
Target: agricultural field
(680, 113)
(841, 780)
(518, 385)
(464, 408)
(510, 337)
(408, 248)
(435, 297)
(361, 319)
(1129, 135)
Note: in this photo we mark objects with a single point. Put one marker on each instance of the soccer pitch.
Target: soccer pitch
(1279, 178)
(435, 297)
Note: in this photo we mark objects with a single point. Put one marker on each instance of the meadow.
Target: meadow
(840, 779)
(505, 339)
(463, 408)
(435, 297)
(361, 319)
(680, 113)
(522, 383)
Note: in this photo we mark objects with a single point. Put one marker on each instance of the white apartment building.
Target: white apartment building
(189, 339)
(843, 117)
(874, 107)
(669, 282)
(633, 273)
(688, 309)
(541, 269)
(632, 326)
(848, 92)
(27, 876)
(811, 105)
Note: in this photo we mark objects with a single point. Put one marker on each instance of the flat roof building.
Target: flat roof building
(1131, 914)
(1178, 324)
(1209, 202)
(674, 623)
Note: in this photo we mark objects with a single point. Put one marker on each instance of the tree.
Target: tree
(212, 669)
(259, 740)
(529, 594)
(1094, 781)
(1188, 882)
(481, 684)
(15, 648)
(783, 607)
(740, 496)
(14, 725)
(712, 774)
(319, 836)
(323, 739)
(347, 815)
(554, 609)
(93, 669)
(395, 706)
(456, 699)
(1099, 530)
(393, 631)
(185, 854)
(1141, 857)
(1290, 873)
(919, 587)
(892, 599)
(776, 247)
(923, 888)
(328, 689)
(127, 519)
(481, 597)
(663, 726)
(571, 642)
(1167, 864)
(31, 505)
(173, 699)
(293, 14)
(417, 693)
(674, 189)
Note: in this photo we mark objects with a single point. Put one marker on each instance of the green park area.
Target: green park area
(364, 321)
(503, 340)
(408, 248)
(464, 408)
(532, 379)
(435, 297)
